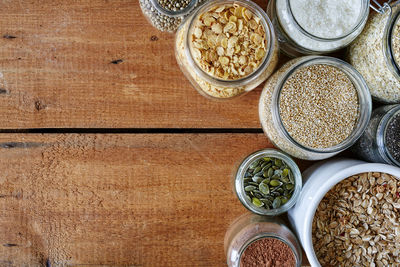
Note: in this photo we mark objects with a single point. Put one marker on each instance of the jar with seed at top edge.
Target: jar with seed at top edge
(250, 228)
(296, 40)
(373, 144)
(376, 53)
(210, 76)
(239, 184)
(270, 113)
(167, 18)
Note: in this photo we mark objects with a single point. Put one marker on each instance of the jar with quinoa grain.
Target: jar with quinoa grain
(376, 54)
(166, 15)
(315, 107)
(226, 48)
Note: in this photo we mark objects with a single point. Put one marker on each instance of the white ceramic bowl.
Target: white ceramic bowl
(318, 180)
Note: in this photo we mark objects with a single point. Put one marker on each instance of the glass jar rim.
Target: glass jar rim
(180, 13)
(360, 23)
(239, 187)
(269, 32)
(364, 99)
(394, 18)
(381, 134)
(297, 256)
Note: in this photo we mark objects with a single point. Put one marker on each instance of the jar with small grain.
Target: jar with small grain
(254, 240)
(381, 140)
(166, 15)
(310, 27)
(226, 48)
(315, 107)
(376, 53)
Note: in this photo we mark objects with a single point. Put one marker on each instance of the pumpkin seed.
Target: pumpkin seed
(268, 183)
(264, 188)
(275, 183)
(256, 202)
(277, 203)
(249, 188)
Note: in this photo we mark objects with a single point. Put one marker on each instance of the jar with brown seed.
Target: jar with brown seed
(226, 48)
(315, 107)
(254, 240)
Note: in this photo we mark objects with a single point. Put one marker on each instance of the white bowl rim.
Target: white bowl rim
(331, 182)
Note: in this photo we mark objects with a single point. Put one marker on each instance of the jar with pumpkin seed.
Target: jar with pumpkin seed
(268, 182)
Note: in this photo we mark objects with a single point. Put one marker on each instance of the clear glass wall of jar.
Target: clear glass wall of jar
(168, 18)
(295, 40)
(249, 228)
(210, 85)
(372, 145)
(376, 54)
(271, 121)
(240, 174)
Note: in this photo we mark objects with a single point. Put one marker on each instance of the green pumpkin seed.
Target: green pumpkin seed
(256, 202)
(289, 186)
(278, 162)
(257, 179)
(266, 167)
(277, 203)
(249, 188)
(266, 181)
(253, 165)
(285, 179)
(257, 169)
(264, 188)
(275, 183)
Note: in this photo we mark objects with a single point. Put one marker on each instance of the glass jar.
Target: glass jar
(271, 120)
(241, 172)
(372, 145)
(250, 228)
(166, 19)
(375, 51)
(296, 39)
(210, 85)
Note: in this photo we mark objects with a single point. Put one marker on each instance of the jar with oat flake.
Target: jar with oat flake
(376, 53)
(226, 48)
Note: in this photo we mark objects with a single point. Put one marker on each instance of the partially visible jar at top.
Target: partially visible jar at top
(381, 140)
(226, 48)
(254, 240)
(315, 107)
(167, 15)
(306, 27)
(376, 54)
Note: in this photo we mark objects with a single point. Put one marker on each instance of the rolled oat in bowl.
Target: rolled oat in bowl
(357, 222)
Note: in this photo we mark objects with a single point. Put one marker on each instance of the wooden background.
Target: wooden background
(111, 164)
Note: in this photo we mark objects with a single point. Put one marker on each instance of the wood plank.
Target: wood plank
(56, 72)
(142, 200)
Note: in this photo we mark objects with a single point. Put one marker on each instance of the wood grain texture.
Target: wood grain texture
(57, 71)
(139, 200)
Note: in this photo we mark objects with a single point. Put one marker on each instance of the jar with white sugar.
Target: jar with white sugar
(376, 54)
(308, 27)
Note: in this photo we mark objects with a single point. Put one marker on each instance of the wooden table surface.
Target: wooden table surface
(111, 164)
